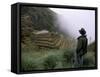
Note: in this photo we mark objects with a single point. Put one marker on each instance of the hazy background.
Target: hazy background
(72, 20)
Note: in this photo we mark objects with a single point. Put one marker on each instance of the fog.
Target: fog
(72, 20)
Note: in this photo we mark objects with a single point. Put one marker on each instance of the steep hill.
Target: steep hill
(35, 19)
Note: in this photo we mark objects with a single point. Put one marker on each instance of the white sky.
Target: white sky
(72, 20)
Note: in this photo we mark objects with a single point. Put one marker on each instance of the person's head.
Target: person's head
(82, 31)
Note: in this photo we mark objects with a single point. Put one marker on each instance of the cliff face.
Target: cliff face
(36, 19)
(50, 40)
(39, 18)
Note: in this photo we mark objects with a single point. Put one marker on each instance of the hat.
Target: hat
(82, 31)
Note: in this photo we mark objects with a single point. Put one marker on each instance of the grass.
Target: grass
(34, 59)
(41, 59)
(89, 59)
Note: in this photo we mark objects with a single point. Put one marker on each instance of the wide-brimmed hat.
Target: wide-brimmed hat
(82, 31)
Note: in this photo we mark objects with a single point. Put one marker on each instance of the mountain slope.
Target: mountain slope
(36, 19)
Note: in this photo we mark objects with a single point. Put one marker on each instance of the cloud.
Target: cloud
(71, 20)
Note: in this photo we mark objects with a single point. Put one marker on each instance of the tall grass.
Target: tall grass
(34, 59)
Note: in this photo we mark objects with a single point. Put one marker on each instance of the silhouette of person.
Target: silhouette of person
(81, 49)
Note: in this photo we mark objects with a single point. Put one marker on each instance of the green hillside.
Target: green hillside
(36, 18)
(91, 47)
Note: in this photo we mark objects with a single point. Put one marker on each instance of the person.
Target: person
(81, 49)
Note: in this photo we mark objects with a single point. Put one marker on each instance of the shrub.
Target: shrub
(89, 59)
(68, 55)
(50, 62)
(68, 58)
(29, 65)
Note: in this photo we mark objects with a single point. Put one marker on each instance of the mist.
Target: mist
(70, 21)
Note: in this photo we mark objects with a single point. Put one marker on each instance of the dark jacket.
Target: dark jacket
(82, 45)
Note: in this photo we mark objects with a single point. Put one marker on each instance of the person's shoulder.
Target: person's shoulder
(82, 37)
(79, 37)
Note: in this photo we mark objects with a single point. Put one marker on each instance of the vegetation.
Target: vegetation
(50, 62)
(89, 59)
(91, 47)
(68, 58)
(47, 51)
(36, 19)
(43, 59)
